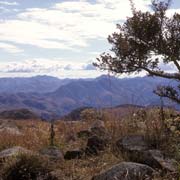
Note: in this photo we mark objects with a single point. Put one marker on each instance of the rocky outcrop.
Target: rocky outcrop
(14, 151)
(127, 171)
(132, 147)
(95, 144)
(157, 159)
(136, 149)
(97, 129)
(53, 153)
(73, 154)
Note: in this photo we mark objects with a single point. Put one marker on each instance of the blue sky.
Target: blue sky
(59, 38)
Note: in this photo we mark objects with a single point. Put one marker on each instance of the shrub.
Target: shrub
(26, 167)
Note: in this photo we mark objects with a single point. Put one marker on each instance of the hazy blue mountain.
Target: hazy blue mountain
(39, 84)
(103, 91)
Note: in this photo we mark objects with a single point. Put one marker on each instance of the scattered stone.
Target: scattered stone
(9, 127)
(136, 149)
(14, 151)
(84, 134)
(57, 173)
(73, 154)
(132, 147)
(100, 132)
(156, 159)
(94, 145)
(98, 123)
(133, 143)
(127, 171)
(71, 138)
(98, 129)
(53, 153)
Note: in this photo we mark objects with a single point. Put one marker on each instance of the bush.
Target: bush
(26, 167)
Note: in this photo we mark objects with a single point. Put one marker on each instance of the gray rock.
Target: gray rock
(94, 145)
(98, 123)
(14, 151)
(127, 171)
(73, 154)
(132, 147)
(9, 127)
(136, 149)
(98, 129)
(156, 159)
(53, 153)
(133, 143)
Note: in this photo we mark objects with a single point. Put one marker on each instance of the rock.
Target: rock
(14, 151)
(98, 123)
(53, 153)
(57, 173)
(132, 147)
(156, 159)
(100, 132)
(84, 134)
(70, 138)
(98, 129)
(94, 145)
(127, 171)
(9, 127)
(133, 143)
(73, 154)
(136, 149)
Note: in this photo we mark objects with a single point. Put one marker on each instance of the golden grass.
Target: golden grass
(35, 136)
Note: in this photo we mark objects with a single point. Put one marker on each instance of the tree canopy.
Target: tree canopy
(144, 42)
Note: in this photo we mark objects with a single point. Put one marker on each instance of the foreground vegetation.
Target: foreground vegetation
(34, 135)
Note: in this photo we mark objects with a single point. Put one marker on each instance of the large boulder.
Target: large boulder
(136, 149)
(132, 143)
(94, 145)
(127, 171)
(132, 147)
(52, 153)
(73, 154)
(157, 159)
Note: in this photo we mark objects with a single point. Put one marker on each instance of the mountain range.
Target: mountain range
(52, 97)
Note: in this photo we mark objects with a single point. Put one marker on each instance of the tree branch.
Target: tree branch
(177, 64)
(162, 74)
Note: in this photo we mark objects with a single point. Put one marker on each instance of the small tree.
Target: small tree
(144, 42)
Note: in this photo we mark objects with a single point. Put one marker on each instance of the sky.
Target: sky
(59, 37)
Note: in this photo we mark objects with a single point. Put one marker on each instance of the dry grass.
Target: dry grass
(35, 136)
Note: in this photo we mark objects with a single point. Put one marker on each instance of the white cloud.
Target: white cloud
(10, 48)
(170, 12)
(9, 3)
(55, 67)
(67, 25)
(43, 66)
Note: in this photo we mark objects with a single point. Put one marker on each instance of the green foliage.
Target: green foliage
(143, 43)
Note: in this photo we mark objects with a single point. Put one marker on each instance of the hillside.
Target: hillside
(18, 114)
(99, 92)
(39, 84)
